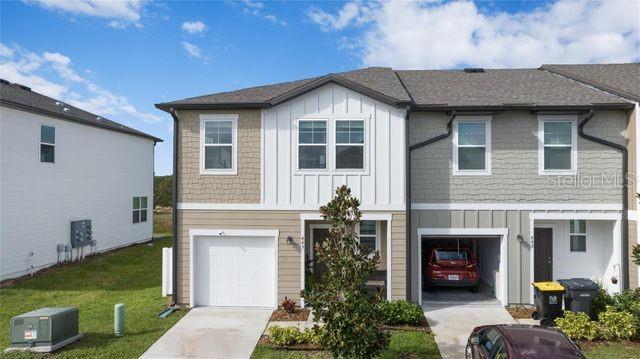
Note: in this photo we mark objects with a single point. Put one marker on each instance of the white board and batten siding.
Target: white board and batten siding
(95, 176)
(380, 186)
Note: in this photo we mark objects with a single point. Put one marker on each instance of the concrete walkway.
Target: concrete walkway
(227, 333)
(452, 323)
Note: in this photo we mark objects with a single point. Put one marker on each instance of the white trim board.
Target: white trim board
(520, 206)
(196, 233)
(282, 207)
(503, 233)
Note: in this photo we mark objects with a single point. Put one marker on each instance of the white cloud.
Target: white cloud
(121, 13)
(28, 68)
(194, 27)
(5, 51)
(454, 34)
(256, 8)
(192, 50)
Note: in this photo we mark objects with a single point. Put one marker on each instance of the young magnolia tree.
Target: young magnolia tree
(339, 299)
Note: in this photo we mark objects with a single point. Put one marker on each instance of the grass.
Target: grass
(162, 221)
(403, 344)
(131, 276)
(611, 350)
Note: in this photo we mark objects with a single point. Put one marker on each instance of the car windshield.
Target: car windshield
(451, 255)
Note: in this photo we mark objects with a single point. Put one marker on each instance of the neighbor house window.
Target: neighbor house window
(350, 144)
(218, 144)
(369, 235)
(578, 236)
(139, 209)
(557, 153)
(472, 147)
(47, 144)
(312, 144)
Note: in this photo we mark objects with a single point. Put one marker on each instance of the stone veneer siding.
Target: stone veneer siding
(514, 173)
(244, 187)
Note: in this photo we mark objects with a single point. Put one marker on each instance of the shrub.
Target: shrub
(285, 336)
(601, 302)
(289, 305)
(578, 326)
(616, 325)
(339, 299)
(401, 312)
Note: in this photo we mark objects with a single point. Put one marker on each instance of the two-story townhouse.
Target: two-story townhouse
(621, 80)
(253, 167)
(498, 161)
(515, 178)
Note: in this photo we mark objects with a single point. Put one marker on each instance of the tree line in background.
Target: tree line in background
(163, 191)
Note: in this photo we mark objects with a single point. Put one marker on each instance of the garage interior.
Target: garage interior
(487, 252)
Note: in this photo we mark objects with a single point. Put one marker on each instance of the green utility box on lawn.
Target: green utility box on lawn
(45, 327)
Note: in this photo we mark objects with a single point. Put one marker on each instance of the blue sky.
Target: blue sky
(119, 58)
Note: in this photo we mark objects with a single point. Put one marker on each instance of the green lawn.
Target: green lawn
(402, 345)
(613, 350)
(131, 276)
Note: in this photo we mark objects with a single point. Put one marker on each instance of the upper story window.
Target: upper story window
(47, 143)
(312, 144)
(578, 236)
(349, 144)
(218, 144)
(369, 235)
(472, 146)
(557, 152)
(139, 209)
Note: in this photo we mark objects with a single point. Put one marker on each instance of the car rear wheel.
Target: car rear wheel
(468, 352)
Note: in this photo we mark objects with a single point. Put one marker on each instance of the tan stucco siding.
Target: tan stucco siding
(244, 187)
(289, 255)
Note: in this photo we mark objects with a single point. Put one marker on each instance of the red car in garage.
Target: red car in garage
(451, 267)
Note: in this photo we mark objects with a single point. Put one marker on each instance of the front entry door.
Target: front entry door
(543, 255)
(318, 235)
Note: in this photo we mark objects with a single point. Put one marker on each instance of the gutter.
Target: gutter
(174, 213)
(624, 266)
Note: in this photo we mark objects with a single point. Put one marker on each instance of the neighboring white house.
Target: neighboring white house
(60, 164)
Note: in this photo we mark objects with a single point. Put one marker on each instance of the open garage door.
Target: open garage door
(463, 269)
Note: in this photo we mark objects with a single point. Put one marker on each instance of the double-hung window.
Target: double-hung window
(312, 144)
(369, 235)
(472, 147)
(557, 147)
(47, 143)
(349, 144)
(139, 209)
(577, 236)
(218, 150)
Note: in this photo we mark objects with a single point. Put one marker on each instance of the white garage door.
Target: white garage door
(238, 271)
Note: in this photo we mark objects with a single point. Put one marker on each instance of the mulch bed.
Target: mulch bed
(521, 312)
(264, 340)
(585, 344)
(281, 315)
(422, 327)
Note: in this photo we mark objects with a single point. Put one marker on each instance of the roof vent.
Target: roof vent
(3, 81)
(66, 109)
(58, 103)
(26, 88)
(473, 70)
(99, 118)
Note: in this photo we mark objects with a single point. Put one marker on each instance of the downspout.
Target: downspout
(174, 214)
(625, 193)
(408, 183)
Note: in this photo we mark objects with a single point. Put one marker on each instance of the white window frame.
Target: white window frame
(40, 143)
(378, 241)
(573, 119)
(139, 210)
(327, 147)
(585, 234)
(336, 144)
(234, 144)
(487, 161)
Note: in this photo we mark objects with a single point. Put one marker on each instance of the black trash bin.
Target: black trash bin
(579, 295)
(548, 300)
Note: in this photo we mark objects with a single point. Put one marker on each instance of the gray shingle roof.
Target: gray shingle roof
(381, 81)
(531, 87)
(13, 95)
(620, 79)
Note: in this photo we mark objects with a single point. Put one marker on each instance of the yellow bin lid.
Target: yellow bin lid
(548, 286)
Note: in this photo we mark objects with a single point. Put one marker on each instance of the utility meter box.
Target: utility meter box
(45, 328)
(81, 233)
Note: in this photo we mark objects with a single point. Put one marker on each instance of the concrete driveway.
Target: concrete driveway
(212, 333)
(452, 323)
